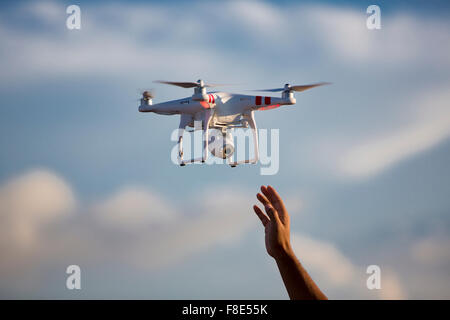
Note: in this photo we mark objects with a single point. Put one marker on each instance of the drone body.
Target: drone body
(221, 111)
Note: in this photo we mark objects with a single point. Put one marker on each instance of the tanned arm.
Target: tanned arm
(297, 281)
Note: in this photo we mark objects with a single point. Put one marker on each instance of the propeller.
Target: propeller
(199, 84)
(288, 87)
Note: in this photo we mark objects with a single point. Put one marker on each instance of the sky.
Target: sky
(86, 179)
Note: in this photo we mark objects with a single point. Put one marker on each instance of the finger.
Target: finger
(272, 213)
(275, 201)
(264, 219)
(263, 199)
(279, 203)
(274, 194)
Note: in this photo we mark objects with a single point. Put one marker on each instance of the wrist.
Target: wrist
(285, 254)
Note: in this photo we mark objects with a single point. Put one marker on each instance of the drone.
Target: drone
(221, 111)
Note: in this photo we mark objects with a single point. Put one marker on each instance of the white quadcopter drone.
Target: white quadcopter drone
(221, 111)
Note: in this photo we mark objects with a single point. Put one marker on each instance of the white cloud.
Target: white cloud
(391, 288)
(134, 225)
(325, 259)
(122, 39)
(45, 11)
(221, 217)
(138, 227)
(348, 28)
(261, 19)
(431, 251)
(430, 126)
(132, 208)
(333, 271)
(29, 203)
(102, 46)
(294, 202)
(402, 40)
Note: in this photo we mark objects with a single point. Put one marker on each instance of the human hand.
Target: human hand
(276, 223)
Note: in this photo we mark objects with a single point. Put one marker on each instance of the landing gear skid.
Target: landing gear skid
(184, 121)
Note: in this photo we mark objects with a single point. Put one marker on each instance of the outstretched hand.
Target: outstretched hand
(297, 281)
(276, 223)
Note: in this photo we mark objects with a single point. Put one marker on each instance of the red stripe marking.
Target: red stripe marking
(213, 99)
(204, 104)
(209, 96)
(266, 100)
(258, 100)
(269, 107)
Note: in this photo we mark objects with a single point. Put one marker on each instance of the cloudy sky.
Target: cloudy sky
(85, 179)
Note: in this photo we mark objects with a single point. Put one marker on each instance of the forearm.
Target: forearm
(297, 281)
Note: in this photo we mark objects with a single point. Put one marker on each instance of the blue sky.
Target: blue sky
(86, 179)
